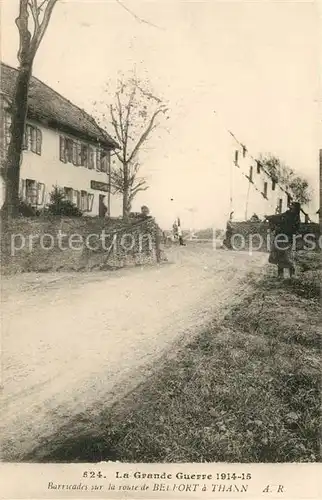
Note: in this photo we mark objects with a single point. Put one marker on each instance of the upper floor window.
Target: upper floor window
(102, 160)
(32, 139)
(76, 152)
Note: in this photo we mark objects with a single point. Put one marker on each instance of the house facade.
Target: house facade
(63, 146)
(254, 191)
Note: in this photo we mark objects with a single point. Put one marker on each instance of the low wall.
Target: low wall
(43, 244)
(256, 235)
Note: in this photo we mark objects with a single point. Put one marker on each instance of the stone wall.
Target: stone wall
(256, 235)
(78, 244)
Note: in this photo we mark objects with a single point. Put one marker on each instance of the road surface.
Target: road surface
(73, 344)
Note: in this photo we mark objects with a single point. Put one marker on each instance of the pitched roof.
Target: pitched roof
(46, 105)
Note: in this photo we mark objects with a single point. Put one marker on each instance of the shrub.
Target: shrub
(59, 205)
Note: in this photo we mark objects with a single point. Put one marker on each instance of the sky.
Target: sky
(247, 66)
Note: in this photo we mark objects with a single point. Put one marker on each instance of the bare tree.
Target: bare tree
(133, 117)
(32, 23)
(297, 186)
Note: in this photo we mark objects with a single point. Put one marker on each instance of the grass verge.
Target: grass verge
(245, 390)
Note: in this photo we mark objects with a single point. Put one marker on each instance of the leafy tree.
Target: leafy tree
(297, 186)
(133, 117)
(59, 205)
(32, 23)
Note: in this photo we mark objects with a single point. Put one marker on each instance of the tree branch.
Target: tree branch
(24, 33)
(34, 11)
(115, 125)
(39, 34)
(137, 18)
(145, 134)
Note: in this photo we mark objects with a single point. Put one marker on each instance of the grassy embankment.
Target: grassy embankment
(245, 390)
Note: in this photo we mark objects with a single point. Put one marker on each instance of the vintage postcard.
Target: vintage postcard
(160, 185)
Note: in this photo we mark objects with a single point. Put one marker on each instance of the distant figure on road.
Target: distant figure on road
(229, 233)
(180, 236)
(283, 227)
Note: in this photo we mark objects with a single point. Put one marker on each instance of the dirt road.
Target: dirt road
(73, 343)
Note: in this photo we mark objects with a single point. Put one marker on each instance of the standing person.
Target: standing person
(175, 230)
(283, 227)
(181, 243)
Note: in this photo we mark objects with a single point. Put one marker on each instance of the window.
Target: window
(68, 194)
(250, 177)
(32, 192)
(66, 150)
(102, 160)
(244, 151)
(76, 198)
(86, 201)
(258, 167)
(236, 157)
(83, 201)
(84, 155)
(273, 184)
(33, 139)
(91, 158)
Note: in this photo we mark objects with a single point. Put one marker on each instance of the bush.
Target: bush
(59, 205)
(27, 210)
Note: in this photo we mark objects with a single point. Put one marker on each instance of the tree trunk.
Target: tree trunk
(17, 129)
(126, 204)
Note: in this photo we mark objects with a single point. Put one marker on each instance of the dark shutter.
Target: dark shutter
(38, 141)
(90, 201)
(33, 134)
(40, 193)
(62, 147)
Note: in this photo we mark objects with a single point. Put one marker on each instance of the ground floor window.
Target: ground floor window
(82, 199)
(32, 192)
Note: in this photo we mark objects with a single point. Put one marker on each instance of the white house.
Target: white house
(253, 190)
(63, 146)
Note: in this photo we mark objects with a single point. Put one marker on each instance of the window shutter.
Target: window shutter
(38, 141)
(78, 154)
(91, 158)
(33, 135)
(90, 199)
(40, 193)
(74, 153)
(84, 155)
(265, 190)
(62, 155)
(76, 198)
(22, 189)
(98, 160)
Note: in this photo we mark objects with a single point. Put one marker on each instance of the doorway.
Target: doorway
(102, 208)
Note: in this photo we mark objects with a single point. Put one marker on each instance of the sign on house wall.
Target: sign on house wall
(99, 186)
